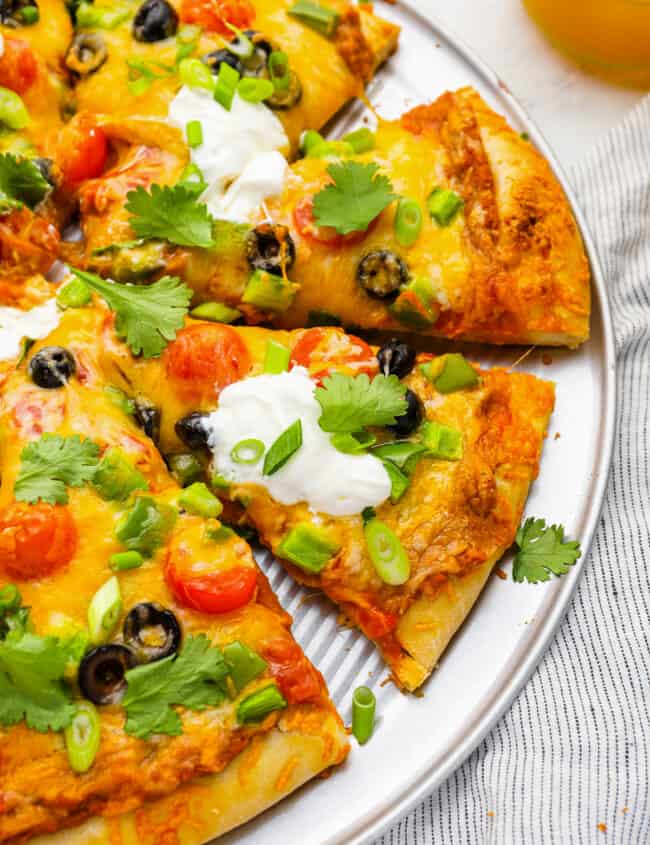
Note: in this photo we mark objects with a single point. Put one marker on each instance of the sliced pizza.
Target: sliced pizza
(149, 682)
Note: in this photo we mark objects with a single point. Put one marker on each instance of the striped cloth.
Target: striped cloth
(570, 762)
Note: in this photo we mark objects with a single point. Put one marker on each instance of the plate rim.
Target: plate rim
(413, 792)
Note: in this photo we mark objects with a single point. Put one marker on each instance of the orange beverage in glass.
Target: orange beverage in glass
(609, 37)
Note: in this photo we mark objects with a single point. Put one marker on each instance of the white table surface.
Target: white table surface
(572, 109)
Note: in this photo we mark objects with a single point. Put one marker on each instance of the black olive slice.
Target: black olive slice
(101, 673)
(147, 417)
(283, 99)
(411, 419)
(151, 632)
(86, 54)
(381, 273)
(155, 20)
(11, 12)
(51, 367)
(396, 358)
(270, 247)
(218, 57)
(192, 430)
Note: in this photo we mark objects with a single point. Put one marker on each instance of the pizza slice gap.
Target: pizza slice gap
(149, 680)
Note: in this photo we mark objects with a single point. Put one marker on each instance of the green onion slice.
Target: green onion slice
(259, 704)
(284, 447)
(125, 560)
(192, 179)
(363, 714)
(247, 451)
(82, 737)
(215, 312)
(89, 16)
(400, 452)
(226, 86)
(444, 205)
(353, 444)
(10, 598)
(320, 18)
(74, 294)
(195, 74)
(309, 140)
(104, 611)
(245, 665)
(308, 546)
(442, 441)
(450, 373)
(278, 65)
(361, 140)
(276, 358)
(13, 112)
(255, 90)
(30, 15)
(198, 499)
(387, 553)
(408, 221)
(194, 133)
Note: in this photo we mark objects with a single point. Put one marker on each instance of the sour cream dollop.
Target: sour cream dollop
(262, 407)
(235, 142)
(35, 323)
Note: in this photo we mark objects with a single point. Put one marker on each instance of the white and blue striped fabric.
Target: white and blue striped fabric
(570, 761)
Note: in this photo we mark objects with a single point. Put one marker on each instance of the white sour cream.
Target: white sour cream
(16, 324)
(262, 407)
(232, 140)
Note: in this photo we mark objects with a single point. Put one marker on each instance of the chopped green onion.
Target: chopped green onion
(13, 112)
(353, 444)
(399, 481)
(308, 546)
(408, 221)
(185, 467)
(116, 478)
(242, 46)
(320, 18)
(255, 90)
(219, 481)
(195, 74)
(247, 451)
(104, 611)
(286, 445)
(192, 179)
(194, 133)
(361, 140)
(268, 291)
(442, 441)
(216, 312)
(29, 15)
(363, 714)
(278, 65)
(276, 357)
(216, 532)
(226, 86)
(259, 704)
(450, 373)
(444, 205)
(146, 525)
(331, 149)
(10, 598)
(198, 499)
(245, 665)
(400, 453)
(82, 737)
(89, 16)
(309, 140)
(120, 399)
(125, 560)
(74, 294)
(387, 553)
(139, 86)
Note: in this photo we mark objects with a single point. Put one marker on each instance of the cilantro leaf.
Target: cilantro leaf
(31, 682)
(21, 183)
(350, 403)
(172, 214)
(191, 679)
(50, 463)
(358, 194)
(542, 551)
(148, 316)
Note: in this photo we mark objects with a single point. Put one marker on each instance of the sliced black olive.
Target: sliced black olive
(396, 358)
(147, 417)
(155, 20)
(86, 54)
(218, 57)
(51, 367)
(270, 247)
(151, 632)
(382, 273)
(46, 168)
(283, 99)
(101, 673)
(411, 419)
(256, 63)
(192, 430)
(11, 11)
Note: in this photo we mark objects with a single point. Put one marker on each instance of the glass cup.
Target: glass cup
(610, 38)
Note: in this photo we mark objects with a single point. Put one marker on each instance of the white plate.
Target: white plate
(420, 741)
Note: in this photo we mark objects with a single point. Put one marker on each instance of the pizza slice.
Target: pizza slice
(149, 682)
(392, 482)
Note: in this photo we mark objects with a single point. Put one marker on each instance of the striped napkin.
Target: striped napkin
(570, 762)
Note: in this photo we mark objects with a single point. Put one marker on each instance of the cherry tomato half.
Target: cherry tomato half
(303, 218)
(322, 350)
(83, 151)
(36, 540)
(18, 65)
(213, 592)
(214, 15)
(205, 358)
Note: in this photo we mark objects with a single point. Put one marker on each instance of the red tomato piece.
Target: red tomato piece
(213, 592)
(83, 151)
(296, 677)
(36, 540)
(214, 15)
(18, 65)
(303, 218)
(376, 623)
(205, 358)
(323, 350)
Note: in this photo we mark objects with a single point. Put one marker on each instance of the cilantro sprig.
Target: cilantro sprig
(543, 552)
(52, 463)
(171, 214)
(351, 403)
(357, 194)
(21, 183)
(192, 679)
(148, 316)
